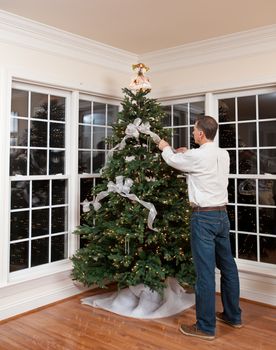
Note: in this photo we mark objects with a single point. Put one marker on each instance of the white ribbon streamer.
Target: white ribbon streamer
(122, 187)
(133, 130)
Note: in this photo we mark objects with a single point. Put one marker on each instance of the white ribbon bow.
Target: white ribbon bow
(122, 187)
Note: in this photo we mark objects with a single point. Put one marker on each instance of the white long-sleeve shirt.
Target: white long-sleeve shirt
(207, 169)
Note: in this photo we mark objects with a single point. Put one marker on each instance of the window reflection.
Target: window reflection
(19, 132)
(267, 105)
(227, 110)
(40, 193)
(20, 194)
(268, 249)
(19, 253)
(57, 135)
(57, 162)
(180, 114)
(247, 191)
(267, 192)
(57, 108)
(39, 251)
(268, 161)
(19, 103)
(59, 248)
(99, 110)
(18, 161)
(246, 108)
(19, 225)
(247, 247)
(267, 133)
(40, 222)
(247, 219)
(267, 220)
(39, 105)
(85, 112)
(38, 162)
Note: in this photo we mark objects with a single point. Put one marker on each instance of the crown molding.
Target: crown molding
(240, 44)
(30, 34)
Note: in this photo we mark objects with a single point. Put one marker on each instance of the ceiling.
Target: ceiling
(142, 26)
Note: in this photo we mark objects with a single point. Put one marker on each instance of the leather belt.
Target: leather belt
(221, 208)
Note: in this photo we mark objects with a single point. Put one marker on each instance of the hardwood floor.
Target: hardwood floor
(69, 325)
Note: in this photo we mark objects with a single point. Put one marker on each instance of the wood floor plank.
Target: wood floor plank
(70, 325)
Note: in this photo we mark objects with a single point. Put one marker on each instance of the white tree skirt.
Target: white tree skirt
(140, 302)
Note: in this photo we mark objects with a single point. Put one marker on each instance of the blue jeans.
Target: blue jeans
(210, 248)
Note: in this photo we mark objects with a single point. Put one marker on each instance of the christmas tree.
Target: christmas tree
(137, 229)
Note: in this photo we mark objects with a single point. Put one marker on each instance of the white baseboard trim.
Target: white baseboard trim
(255, 287)
(26, 296)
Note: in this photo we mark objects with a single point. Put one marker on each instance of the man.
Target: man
(207, 169)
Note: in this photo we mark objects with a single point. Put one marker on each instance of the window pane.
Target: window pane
(86, 186)
(59, 247)
(39, 105)
(99, 113)
(18, 162)
(84, 162)
(38, 134)
(38, 162)
(231, 191)
(247, 219)
(267, 217)
(57, 162)
(167, 120)
(180, 137)
(192, 140)
(19, 253)
(227, 136)
(19, 194)
(40, 193)
(40, 251)
(112, 112)
(233, 166)
(98, 161)
(268, 161)
(268, 249)
(267, 192)
(98, 138)
(231, 216)
(196, 109)
(59, 219)
(248, 162)
(19, 132)
(84, 136)
(267, 106)
(267, 133)
(247, 134)
(247, 108)
(19, 103)
(40, 222)
(232, 237)
(57, 108)
(57, 135)
(247, 247)
(85, 112)
(59, 192)
(180, 114)
(19, 225)
(227, 110)
(247, 191)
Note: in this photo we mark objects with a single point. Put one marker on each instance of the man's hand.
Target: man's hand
(162, 144)
(181, 150)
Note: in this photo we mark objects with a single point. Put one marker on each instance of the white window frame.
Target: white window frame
(70, 161)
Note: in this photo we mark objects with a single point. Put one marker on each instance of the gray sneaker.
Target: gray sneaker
(220, 317)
